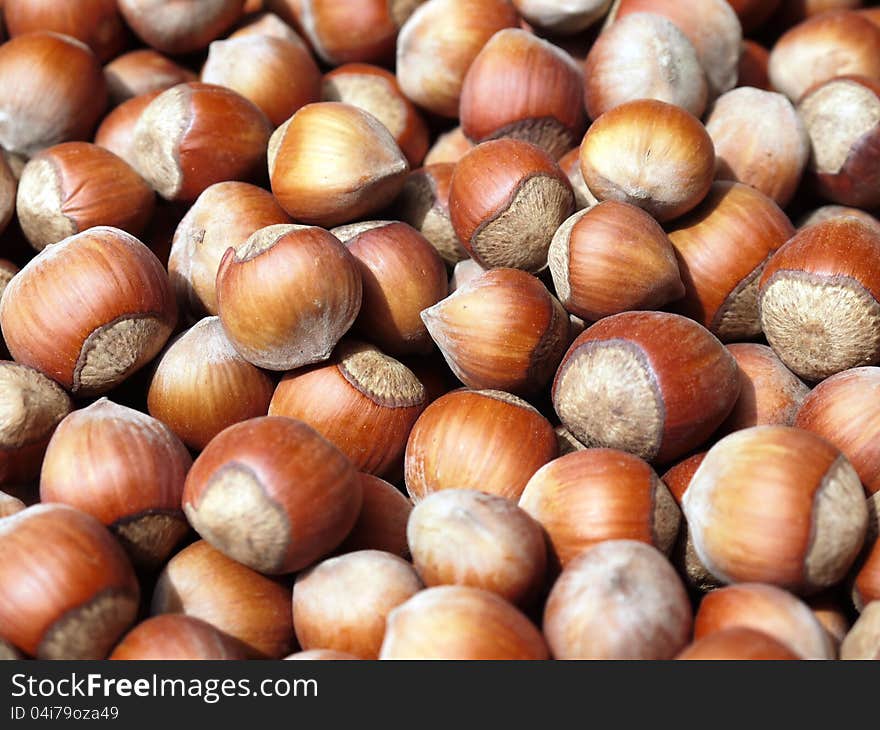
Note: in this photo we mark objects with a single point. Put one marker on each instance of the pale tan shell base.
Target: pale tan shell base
(91, 630)
(819, 326)
(236, 516)
(607, 396)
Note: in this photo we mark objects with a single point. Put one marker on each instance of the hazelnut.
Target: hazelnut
(273, 494)
(143, 71)
(767, 609)
(183, 26)
(124, 468)
(96, 23)
(470, 538)
(502, 331)
(769, 395)
(288, 295)
(643, 56)
(342, 603)
(376, 91)
(201, 385)
(650, 154)
(460, 622)
(472, 439)
(402, 275)
(424, 204)
(438, 44)
(506, 199)
(837, 43)
(69, 591)
(177, 636)
(653, 384)
(377, 394)
(818, 299)
(177, 137)
(225, 215)
(620, 599)
(53, 91)
(73, 186)
(381, 524)
(759, 140)
(830, 44)
(842, 118)
(542, 102)
(776, 504)
(722, 248)
(710, 25)
(31, 406)
(611, 258)
(738, 643)
(595, 495)
(844, 410)
(278, 76)
(89, 311)
(239, 602)
(333, 163)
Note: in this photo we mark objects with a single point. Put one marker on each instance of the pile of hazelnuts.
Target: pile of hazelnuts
(470, 329)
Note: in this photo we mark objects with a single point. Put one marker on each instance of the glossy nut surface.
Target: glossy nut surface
(471, 439)
(90, 310)
(650, 154)
(650, 383)
(272, 494)
(812, 519)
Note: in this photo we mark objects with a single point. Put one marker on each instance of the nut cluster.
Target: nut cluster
(460, 329)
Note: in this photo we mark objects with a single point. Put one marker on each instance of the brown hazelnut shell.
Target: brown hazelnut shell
(70, 187)
(819, 301)
(594, 495)
(473, 440)
(377, 394)
(203, 583)
(288, 295)
(201, 385)
(69, 590)
(90, 310)
(722, 247)
(501, 331)
(124, 468)
(686, 382)
(272, 494)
